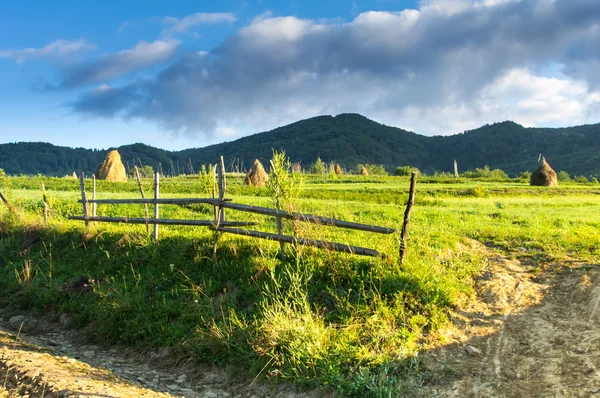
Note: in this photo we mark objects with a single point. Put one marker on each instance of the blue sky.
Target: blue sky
(185, 74)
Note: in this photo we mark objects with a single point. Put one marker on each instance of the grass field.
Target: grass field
(334, 321)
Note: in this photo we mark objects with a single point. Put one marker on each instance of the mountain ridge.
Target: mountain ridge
(347, 139)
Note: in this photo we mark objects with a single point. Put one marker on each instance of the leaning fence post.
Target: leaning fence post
(83, 199)
(156, 194)
(94, 195)
(45, 199)
(409, 205)
(220, 212)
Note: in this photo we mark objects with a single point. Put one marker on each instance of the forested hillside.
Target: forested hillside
(347, 139)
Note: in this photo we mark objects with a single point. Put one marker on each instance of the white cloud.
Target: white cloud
(111, 66)
(56, 49)
(429, 70)
(182, 25)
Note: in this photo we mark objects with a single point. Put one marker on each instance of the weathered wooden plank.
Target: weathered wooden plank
(339, 247)
(309, 218)
(165, 201)
(156, 192)
(162, 221)
(83, 200)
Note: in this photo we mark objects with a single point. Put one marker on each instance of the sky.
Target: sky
(175, 75)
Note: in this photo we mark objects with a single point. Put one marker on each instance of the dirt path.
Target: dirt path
(49, 361)
(531, 333)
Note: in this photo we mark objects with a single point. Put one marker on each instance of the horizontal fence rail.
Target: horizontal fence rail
(131, 220)
(164, 201)
(338, 247)
(308, 218)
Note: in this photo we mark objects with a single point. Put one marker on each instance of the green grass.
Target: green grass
(334, 321)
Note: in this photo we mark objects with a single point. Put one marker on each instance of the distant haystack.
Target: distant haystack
(112, 168)
(296, 167)
(257, 176)
(544, 176)
(74, 175)
(364, 171)
(338, 170)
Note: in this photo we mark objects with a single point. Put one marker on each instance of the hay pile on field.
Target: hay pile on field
(363, 171)
(544, 176)
(257, 176)
(112, 168)
(296, 167)
(74, 175)
(338, 169)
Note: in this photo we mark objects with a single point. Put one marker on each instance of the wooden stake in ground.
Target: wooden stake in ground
(156, 194)
(94, 195)
(455, 169)
(83, 198)
(409, 205)
(220, 211)
(139, 181)
(45, 199)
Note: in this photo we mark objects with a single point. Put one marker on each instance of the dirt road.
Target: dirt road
(534, 331)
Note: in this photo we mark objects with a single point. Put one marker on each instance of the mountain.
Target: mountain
(347, 139)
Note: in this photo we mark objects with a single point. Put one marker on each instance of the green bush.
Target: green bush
(563, 176)
(405, 170)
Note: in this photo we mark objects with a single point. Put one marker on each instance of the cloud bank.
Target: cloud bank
(448, 66)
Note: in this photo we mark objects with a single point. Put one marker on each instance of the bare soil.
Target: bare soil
(532, 331)
(47, 360)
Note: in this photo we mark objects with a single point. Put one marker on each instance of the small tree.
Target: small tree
(318, 167)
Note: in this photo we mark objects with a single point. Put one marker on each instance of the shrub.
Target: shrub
(405, 170)
(563, 176)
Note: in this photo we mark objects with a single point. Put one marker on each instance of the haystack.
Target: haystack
(544, 176)
(257, 176)
(338, 170)
(363, 171)
(296, 167)
(112, 168)
(74, 175)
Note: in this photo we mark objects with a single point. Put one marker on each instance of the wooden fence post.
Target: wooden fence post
(94, 195)
(139, 181)
(45, 199)
(409, 205)
(156, 195)
(220, 211)
(83, 198)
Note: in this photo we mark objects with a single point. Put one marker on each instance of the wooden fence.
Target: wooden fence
(220, 225)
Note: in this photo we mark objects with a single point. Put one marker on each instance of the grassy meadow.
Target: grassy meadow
(344, 323)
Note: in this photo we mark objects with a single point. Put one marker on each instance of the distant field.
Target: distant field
(340, 322)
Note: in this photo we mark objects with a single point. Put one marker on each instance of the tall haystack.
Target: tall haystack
(257, 176)
(364, 171)
(544, 176)
(296, 167)
(338, 170)
(74, 175)
(112, 168)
